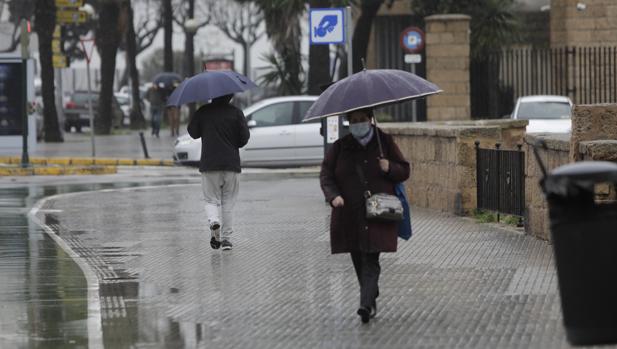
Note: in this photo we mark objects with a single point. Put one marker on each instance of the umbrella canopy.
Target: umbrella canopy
(207, 85)
(166, 80)
(369, 88)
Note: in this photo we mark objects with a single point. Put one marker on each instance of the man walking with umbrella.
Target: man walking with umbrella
(223, 130)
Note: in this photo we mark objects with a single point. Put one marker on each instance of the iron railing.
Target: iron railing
(587, 75)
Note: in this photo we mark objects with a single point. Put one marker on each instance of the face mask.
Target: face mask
(360, 129)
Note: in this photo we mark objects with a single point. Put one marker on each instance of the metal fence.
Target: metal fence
(585, 74)
(500, 176)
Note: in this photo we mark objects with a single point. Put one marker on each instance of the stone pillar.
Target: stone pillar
(592, 123)
(447, 65)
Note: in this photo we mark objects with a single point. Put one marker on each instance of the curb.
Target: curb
(16, 160)
(57, 170)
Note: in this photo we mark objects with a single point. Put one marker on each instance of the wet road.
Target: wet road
(43, 293)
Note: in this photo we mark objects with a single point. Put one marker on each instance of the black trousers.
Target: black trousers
(367, 270)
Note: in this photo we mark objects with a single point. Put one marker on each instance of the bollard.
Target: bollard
(143, 145)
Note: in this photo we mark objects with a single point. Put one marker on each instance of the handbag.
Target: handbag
(381, 206)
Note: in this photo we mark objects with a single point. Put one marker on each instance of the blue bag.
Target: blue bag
(404, 228)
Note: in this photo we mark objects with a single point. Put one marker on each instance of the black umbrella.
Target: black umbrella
(369, 88)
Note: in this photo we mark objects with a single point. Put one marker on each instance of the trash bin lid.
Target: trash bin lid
(589, 171)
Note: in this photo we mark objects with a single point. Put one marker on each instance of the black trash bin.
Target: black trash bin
(584, 235)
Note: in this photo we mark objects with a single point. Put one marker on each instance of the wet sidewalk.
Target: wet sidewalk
(456, 283)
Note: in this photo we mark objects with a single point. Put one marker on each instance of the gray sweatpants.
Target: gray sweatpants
(220, 192)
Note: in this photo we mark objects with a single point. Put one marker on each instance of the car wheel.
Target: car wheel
(78, 129)
(67, 127)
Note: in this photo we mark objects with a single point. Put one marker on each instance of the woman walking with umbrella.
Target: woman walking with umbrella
(363, 162)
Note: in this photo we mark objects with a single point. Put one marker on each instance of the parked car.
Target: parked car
(278, 137)
(546, 114)
(76, 113)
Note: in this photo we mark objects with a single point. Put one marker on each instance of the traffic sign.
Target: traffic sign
(412, 40)
(326, 26)
(57, 32)
(413, 58)
(70, 3)
(56, 46)
(71, 16)
(59, 61)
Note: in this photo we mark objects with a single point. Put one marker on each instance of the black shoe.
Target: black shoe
(214, 243)
(226, 245)
(215, 226)
(365, 314)
(373, 310)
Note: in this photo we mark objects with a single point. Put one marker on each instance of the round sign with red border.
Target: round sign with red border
(412, 40)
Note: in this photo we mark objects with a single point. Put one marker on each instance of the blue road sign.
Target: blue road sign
(326, 26)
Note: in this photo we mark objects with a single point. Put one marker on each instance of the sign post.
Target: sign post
(25, 54)
(412, 42)
(331, 26)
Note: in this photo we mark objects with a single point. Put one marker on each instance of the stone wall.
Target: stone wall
(447, 65)
(443, 158)
(556, 154)
(592, 123)
(594, 26)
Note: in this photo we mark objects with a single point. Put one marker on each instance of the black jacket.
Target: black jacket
(223, 130)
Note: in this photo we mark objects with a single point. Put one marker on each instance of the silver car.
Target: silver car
(278, 136)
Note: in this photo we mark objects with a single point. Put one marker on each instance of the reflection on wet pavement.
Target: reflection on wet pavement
(43, 292)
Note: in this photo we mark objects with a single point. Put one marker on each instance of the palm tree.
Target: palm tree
(283, 28)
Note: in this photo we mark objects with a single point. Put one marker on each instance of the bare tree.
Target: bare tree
(187, 12)
(147, 22)
(241, 23)
(137, 118)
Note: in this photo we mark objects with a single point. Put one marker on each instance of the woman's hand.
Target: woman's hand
(338, 202)
(384, 164)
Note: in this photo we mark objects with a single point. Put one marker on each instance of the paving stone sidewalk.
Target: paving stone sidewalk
(455, 284)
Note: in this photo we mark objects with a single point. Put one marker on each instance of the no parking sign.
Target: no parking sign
(412, 40)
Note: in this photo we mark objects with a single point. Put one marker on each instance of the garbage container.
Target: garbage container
(584, 235)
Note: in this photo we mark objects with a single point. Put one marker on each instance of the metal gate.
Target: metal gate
(500, 176)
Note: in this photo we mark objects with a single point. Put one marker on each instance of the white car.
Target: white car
(546, 114)
(278, 136)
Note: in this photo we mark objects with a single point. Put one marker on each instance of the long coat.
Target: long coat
(350, 231)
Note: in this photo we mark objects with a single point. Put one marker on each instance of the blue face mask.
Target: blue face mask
(360, 129)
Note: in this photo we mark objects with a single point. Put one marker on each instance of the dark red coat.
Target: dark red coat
(350, 231)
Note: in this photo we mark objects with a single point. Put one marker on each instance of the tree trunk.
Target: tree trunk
(137, 116)
(45, 22)
(108, 40)
(168, 56)
(319, 59)
(362, 31)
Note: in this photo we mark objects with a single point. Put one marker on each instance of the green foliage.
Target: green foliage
(493, 22)
(278, 75)
(483, 216)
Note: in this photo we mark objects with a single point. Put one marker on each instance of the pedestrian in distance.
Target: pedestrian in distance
(352, 167)
(223, 131)
(155, 96)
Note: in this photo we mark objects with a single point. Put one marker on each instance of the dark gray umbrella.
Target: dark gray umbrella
(166, 80)
(208, 85)
(369, 88)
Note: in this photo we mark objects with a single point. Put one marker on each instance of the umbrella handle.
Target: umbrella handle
(377, 135)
